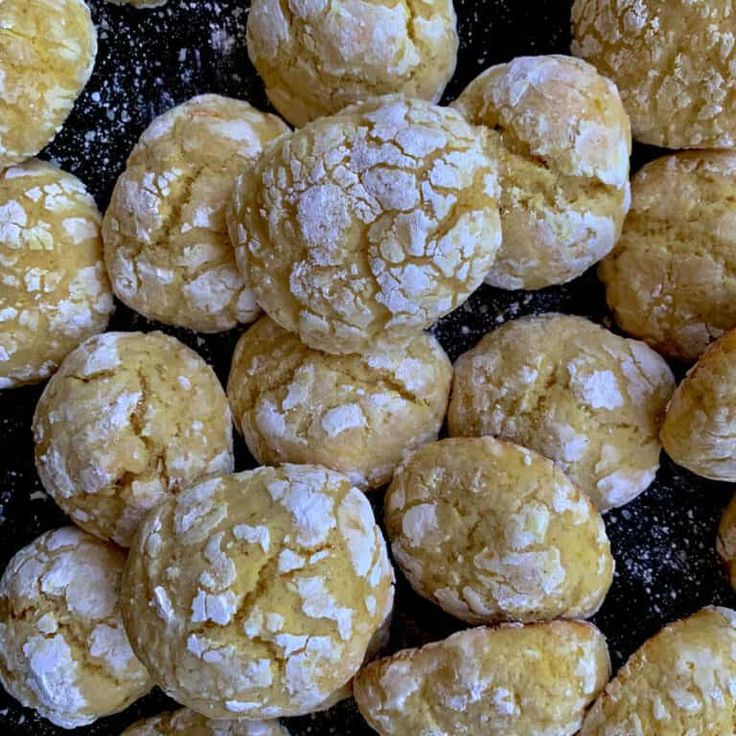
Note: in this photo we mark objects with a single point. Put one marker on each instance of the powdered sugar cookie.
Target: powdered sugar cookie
(318, 57)
(377, 221)
(63, 649)
(129, 419)
(186, 722)
(166, 241)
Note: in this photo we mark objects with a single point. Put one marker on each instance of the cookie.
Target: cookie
(186, 722)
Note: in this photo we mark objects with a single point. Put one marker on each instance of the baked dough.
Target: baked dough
(574, 392)
(54, 291)
(377, 221)
(318, 57)
(63, 649)
(47, 51)
(257, 595)
(129, 419)
(358, 414)
(166, 241)
(491, 532)
(672, 61)
(515, 680)
(564, 141)
(671, 281)
(186, 722)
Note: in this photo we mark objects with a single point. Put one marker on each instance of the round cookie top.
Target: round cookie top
(63, 648)
(672, 61)
(359, 414)
(573, 391)
(512, 680)
(671, 280)
(186, 722)
(564, 140)
(47, 51)
(129, 419)
(726, 542)
(55, 291)
(317, 57)
(257, 595)
(377, 221)
(166, 242)
(679, 682)
(699, 429)
(491, 531)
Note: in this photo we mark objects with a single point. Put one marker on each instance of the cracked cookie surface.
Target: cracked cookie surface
(129, 419)
(377, 221)
(166, 242)
(186, 722)
(359, 414)
(573, 391)
(63, 648)
(317, 57)
(257, 595)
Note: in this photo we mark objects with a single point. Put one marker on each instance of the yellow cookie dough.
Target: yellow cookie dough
(680, 682)
(54, 291)
(491, 531)
(358, 414)
(673, 62)
(564, 140)
(63, 649)
(166, 242)
(186, 722)
(671, 281)
(726, 542)
(574, 392)
(47, 51)
(699, 429)
(316, 57)
(129, 419)
(534, 680)
(377, 221)
(257, 595)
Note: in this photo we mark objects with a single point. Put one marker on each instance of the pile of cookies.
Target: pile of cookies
(251, 596)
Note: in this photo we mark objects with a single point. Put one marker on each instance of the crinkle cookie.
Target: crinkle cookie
(671, 281)
(564, 141)
(129, 419)
(573, 391)
(491, 531)
(166, 242)
(186, 722)
(358, 414)
(63, 648)
(673, 62)
(47, 51)
(54, 291)
(257, 595)
(377, 221)
(726, 542)
(316, 57)
(680, 682)
(699, 429)
(534, 680)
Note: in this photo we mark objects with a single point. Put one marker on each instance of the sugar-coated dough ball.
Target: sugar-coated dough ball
(726, 542)
(377, 221)
(316, 57)
(671, 280)
(510, 681)
(186, 722)
(166, 242)
(491, 531)
(673, 62)
(63, 648)
(573, 391)
(256, 595)
(680, 682)
(359, 414)
(564, 141)
(54, 291)
(47, 51)
(699, 430)
(129, 419)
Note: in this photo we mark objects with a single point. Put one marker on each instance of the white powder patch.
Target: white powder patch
(318, 602)
(253, 535)
(342, 418)
(597, 389)
(217, 607)
(110, 644)
(420, 525)
(356, 524)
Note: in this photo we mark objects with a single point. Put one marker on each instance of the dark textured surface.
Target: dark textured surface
(151, 60)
